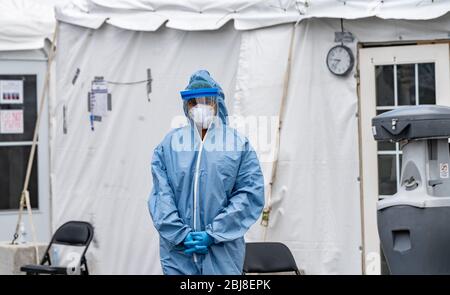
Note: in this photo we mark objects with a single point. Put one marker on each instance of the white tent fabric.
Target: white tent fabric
(25, 24)
(103, 176)
(316, 188)
(149, 15)
(258, 94)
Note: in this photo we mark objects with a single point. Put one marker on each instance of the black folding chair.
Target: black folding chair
(268, 257)
(72, 233)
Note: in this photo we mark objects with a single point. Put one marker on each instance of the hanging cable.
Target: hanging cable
(129, 83)
(148, 81)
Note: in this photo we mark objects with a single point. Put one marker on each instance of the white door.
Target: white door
(22, 77)
(390, 77)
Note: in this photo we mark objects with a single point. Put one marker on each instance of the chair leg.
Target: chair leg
(85, 271)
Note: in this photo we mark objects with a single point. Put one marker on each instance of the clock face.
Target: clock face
(340, 60)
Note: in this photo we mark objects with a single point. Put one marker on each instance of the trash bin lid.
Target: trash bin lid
(412, 122)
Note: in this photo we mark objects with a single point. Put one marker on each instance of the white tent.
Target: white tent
(103, 176)
(25, 24)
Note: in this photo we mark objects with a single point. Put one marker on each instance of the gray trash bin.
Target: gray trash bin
(414, 224)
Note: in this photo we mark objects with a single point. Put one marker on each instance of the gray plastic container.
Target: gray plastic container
(414, 224)
(411, 122)
(415, 240)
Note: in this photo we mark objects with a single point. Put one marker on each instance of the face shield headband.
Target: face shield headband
(200, 92)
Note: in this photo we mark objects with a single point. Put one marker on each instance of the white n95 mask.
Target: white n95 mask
(202, 115)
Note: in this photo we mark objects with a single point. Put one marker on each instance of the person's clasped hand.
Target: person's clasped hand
(197, 242)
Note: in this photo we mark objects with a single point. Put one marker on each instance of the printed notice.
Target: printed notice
(99, 101)
(99, 98)
(11, 91)
(11, 121)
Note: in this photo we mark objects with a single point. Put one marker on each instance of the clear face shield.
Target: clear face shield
(201, 105)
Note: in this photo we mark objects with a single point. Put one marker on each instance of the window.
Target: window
(399, 85)
(16, 141)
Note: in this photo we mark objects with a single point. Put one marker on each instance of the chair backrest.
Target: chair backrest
(265, 257)
(74, 233)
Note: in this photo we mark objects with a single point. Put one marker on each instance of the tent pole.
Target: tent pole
(25, 196)
(287, 75)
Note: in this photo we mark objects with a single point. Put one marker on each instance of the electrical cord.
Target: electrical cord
(129, 83)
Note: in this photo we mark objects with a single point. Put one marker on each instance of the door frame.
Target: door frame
(31, 62)
(368, 58)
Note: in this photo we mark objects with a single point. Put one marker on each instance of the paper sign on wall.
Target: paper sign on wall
(11, 121)
(11, 91)
(99, 102)
(99, 97)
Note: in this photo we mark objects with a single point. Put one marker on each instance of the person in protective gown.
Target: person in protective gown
(208, 188)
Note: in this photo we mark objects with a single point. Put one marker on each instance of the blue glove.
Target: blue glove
(197, 242)
(192, 246)
(188, 238)
(196, 250)
(203, 238)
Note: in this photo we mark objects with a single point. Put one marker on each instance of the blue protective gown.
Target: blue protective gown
(229, 193)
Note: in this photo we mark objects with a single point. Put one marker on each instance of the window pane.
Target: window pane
(387, 175)
(28, 107)
(406, 85)
(384, 85)
(427, 84)
(385, 145)
(13, 163)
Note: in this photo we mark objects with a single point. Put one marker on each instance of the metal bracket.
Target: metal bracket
(343, 37)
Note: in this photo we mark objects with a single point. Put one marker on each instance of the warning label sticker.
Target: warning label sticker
(443, 170)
